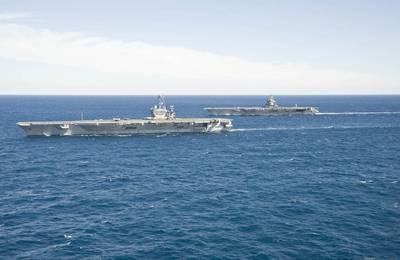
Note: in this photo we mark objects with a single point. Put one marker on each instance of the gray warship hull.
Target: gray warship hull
(270, 108)
(261, 111)
(125, 126)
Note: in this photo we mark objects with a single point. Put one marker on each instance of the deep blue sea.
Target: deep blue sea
(281, 187)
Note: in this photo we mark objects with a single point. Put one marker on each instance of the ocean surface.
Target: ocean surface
(281, 187)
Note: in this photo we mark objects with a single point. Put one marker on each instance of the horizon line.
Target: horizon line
(354, 94)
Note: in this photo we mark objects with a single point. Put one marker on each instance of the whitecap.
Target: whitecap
(67, 236)
(366, 181)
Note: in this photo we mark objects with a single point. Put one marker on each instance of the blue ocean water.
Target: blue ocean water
(304, 187)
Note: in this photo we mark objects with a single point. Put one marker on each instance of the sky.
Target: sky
(189, 47)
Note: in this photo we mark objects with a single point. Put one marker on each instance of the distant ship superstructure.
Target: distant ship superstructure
(162, 120)
(270, 108)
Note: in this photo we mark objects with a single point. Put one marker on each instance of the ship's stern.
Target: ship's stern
(32, 129)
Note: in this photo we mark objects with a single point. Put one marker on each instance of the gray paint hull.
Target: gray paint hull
(261, 111)
(124, 127)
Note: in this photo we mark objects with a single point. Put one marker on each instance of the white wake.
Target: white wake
(305, 128)
(358, 113)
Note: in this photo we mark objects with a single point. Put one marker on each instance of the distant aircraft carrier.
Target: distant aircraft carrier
(162, 120)
(270, 108)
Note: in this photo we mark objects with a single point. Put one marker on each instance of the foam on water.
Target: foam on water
(358, 113)
(307, 128)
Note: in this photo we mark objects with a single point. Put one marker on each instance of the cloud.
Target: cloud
(13, 15)
(180, 68)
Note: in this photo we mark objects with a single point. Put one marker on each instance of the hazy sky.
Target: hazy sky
(199, 47)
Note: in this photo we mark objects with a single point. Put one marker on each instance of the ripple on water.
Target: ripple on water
(323, 187)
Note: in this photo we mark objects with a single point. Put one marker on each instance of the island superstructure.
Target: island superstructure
(162, 120)
(270, 108)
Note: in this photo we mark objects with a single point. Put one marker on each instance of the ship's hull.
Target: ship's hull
(261, 111)
(124, 127)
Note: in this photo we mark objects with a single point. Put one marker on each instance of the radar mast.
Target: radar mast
(271, 102)
(160, 111)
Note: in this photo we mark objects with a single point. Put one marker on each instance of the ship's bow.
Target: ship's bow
(219, 125)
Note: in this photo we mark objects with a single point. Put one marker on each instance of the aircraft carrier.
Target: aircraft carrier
(162, 120)
(270, 108)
